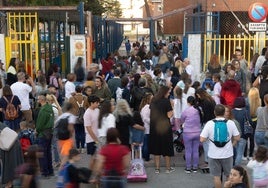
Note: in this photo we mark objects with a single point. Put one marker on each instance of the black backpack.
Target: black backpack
(81, 111)
(147, 64)
(63, 132)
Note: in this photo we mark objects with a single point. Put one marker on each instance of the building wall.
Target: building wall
(174, 24)
(237, 5)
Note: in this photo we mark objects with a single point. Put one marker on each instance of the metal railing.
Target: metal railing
(224, 46)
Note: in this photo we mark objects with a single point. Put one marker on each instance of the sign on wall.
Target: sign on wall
(257, 12)
(77, 49)
(254, 26)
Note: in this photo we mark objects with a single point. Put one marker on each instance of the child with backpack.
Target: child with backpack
(26, 137)
(70, 176)
(260, 168)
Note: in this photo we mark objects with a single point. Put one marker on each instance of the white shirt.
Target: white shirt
(217, 92)
(260, 170)
(69, 89)
(216, 152)
(179, 107)
(106, 123)
(71, 118)
(259, 64)
(22, 90)
(190, 92)
(91, 120)
(145, 116)
(190, 70)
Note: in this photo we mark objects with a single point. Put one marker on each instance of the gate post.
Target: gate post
(82, 19)
(194, 53)
(152, 25)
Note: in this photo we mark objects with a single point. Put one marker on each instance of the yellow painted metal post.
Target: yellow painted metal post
(224, 49)
(219, 50)
(7, 51)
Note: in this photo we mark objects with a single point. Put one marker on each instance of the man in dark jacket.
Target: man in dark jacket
(44, 126)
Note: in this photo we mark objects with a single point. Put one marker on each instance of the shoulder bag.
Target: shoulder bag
(7, 138)
(248, 129)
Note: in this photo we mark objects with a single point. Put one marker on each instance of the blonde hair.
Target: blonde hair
(52, 99)
(49, 98)
(178, 64)
(254, 100)
(122, 108)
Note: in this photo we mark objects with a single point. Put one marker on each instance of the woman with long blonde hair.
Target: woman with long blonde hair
(254, 102)
(124, 121)
(57, 110)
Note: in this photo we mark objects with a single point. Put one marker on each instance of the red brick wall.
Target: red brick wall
(174, 24)
(235, 5)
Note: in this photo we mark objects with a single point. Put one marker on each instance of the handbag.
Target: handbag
(7, 138)
(248, 129)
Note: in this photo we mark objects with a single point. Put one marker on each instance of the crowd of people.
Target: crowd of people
(141, 99)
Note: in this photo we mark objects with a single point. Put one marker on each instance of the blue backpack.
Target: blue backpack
(63, 176)
(221, 135)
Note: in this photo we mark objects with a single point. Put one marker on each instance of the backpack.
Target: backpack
(25, 143)
(11, 112)
(260, 175)
(220, 133)
(26, 138)
(62, 131)
(147, 64)
(81, 112)
(63, 176)
(119, 93)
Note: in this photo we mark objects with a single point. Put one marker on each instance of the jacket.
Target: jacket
(45, 119)
(229, 92)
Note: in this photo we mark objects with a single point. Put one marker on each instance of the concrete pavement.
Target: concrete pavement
(177, 179)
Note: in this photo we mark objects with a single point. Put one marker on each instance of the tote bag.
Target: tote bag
(7, 138)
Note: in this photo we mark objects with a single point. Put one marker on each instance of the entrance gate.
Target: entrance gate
(224, 46)
(22, 39)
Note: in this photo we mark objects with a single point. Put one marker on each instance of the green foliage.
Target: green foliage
(110, 8)
(94, 6)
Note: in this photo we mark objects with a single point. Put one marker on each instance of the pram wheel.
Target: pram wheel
(179, 148)
(205, 170)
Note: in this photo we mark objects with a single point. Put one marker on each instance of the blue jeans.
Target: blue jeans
(13, 124)
(240, 148)
(145, 151)
(55, 149)
(80, 135)
(46, 160)
(191, 143)
(205, 147)
(260, 138)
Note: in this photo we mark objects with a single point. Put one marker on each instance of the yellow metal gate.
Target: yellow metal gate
(22, 40)
(224, 46)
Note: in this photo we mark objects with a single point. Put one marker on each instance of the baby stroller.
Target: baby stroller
(179, 144)
(178, 141)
